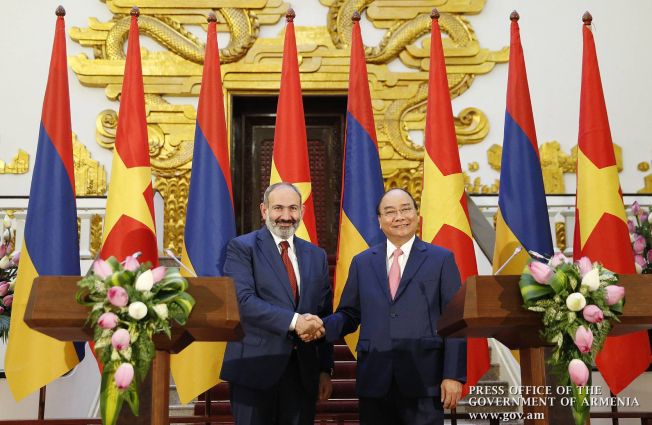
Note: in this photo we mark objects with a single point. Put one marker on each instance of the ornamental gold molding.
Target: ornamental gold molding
(252, 64)
(19, 164)
(90, 176)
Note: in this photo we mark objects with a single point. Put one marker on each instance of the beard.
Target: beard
(282, 232)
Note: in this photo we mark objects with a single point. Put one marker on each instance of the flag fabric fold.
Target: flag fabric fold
(210, 220)
(600, 221)
(129, 218)
(362, 179)
(290, 161)
(443, 199)
(522, 219)
(51, 246)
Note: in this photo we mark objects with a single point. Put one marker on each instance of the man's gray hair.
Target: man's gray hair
(275, 186)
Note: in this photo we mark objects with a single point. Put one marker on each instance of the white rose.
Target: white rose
(592, 279)
(145, 281)
(575, 301)
(137, 310)
(161, 310)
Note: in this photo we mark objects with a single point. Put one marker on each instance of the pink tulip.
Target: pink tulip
(159, 273)
(16, 257)
(631, 226)
(118, 296)
(639, 244)
(593, 314)
(131, 263)
(579, 373)
(124, 375)
(559, 259)
(2, 309)
(108, 321)
(644, 216)
(583, 339)
(3, 250)
(613, 294)
(585, 265)
(120, 339)
(4, 288)
(8, 300)
(102, 269)
(636, 208)
(542, 273)
(640, 260)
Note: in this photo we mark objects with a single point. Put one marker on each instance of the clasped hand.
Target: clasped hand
(309, 327)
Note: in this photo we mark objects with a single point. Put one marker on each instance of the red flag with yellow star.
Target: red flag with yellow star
(600, 222)
(443, 200)
(129, 220)
(290, 159)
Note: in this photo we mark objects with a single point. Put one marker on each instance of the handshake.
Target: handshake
(309, 327)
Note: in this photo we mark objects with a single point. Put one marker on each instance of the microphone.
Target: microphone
(511, 257)
(176, 260)
(539, 256)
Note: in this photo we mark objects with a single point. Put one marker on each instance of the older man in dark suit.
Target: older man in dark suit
(280, 279)
(396, 292)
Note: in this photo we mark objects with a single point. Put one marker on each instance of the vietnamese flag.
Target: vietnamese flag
(600, 222)
(290, 158)
(443, 199)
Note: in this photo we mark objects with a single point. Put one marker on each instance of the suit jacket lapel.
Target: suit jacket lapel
(416, 258)
(271, 253)
(379, 263)
(303, 258)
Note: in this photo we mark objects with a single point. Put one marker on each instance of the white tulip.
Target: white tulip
(592, 279)
(145, 281)
(6, 235)
(575, 301)
(6, 222)
(161, 310)
(4, 262)
(639, 269)
(649, 218)
(137, 310)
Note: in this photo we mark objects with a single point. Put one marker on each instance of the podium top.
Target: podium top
(492, 307)
(53, 310)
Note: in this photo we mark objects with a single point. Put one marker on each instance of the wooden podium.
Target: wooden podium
(52, 310)
(492, 307)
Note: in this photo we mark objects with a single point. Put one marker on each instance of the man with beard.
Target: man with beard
(282, 288)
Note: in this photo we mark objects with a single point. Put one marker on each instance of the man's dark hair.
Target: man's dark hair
(414, 202)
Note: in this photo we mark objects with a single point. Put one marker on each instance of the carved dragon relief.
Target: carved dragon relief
(252, 64)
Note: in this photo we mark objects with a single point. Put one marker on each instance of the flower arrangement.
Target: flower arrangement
(579, 301)
(640, 233)
(8, 269)
(130, 302)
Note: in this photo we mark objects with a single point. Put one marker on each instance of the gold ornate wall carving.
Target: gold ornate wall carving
(90, 176)
(18, 165)
(252, 64)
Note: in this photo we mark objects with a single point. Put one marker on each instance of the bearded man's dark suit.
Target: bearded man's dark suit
(268, 350)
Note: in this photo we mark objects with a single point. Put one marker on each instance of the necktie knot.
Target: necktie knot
(285, 245)
(397, 253)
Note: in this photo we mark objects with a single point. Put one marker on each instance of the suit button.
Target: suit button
(393, 315)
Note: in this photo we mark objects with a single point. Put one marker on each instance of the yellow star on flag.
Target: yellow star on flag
(127, 183)
(599, 194)
(445, 208)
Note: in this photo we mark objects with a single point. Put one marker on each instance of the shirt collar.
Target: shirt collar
(406, 248)
(278, 240)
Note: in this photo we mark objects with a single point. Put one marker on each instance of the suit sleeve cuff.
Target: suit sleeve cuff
(293, 323)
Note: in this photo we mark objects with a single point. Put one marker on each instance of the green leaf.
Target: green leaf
(531, 290)
(111, 398)
(131, 395)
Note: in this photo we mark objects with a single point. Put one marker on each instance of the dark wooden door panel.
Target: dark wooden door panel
(252, 143)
